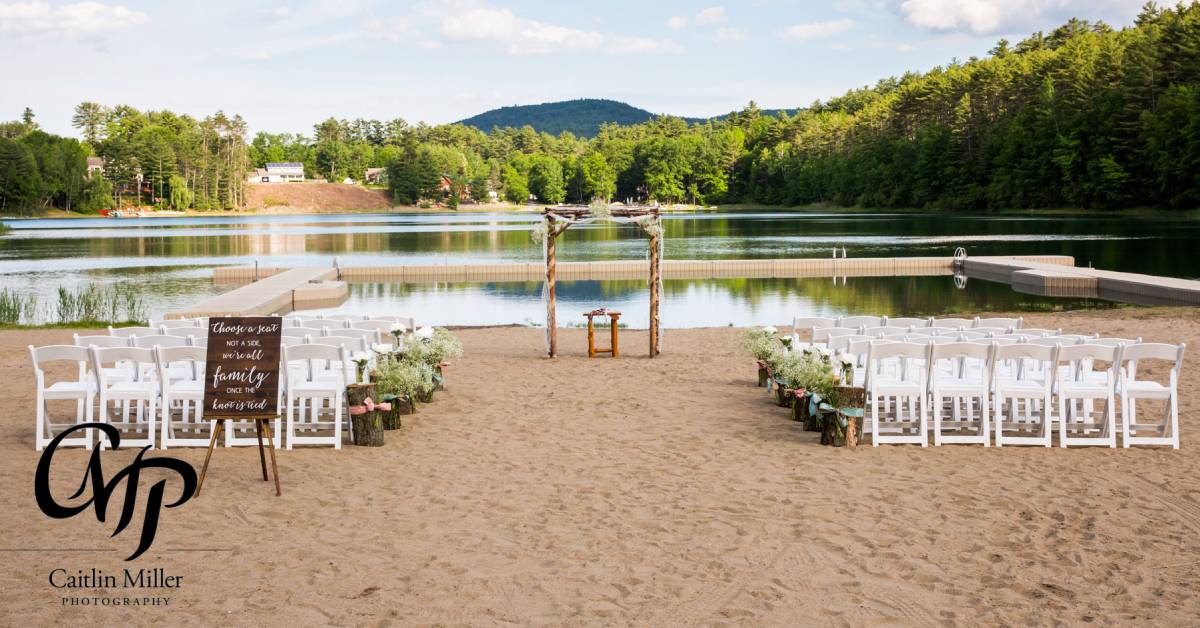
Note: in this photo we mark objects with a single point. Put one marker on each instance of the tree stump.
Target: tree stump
(426, 396)
(763, 374)
(783, 395)
(367, 424)
(799, 404)
(843, 426)
(439, 376)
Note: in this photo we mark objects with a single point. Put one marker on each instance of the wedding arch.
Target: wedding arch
(557, 220)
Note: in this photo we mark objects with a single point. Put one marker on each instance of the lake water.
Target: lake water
(170, 259)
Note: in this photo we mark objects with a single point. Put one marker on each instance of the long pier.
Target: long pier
(272, 290)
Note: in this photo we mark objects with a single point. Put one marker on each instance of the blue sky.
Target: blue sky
(285, 65)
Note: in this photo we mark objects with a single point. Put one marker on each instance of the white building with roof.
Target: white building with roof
(277, 172)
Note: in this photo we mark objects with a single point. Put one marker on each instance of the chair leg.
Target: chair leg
(1174, 410)
(1130, 406)
(1062, 421)
(291, 421)
(165, 426)
(40, 438)
(874, 421)
(983, 419)
(337, 422)
(923, 418)
(937, 419)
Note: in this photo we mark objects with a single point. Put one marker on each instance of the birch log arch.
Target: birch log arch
(557, 220)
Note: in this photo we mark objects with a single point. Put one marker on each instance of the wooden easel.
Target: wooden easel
(260, 425)
(613, 320)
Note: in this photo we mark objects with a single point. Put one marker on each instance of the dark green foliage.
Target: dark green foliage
(582, 117)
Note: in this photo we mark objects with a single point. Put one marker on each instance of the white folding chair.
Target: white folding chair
(1133, 389)
(180, 323)
(349, 318)
(960, 375)
(198, 341)
(952, 323)
(125, 332)
(862, 321)
(999, 323)
(811, 323)
(159, 340)
(80, 390)
(356, 348)
(141, 390)
(298, 332)
(1077, 421)
(184, 394)
(826, 335)
(1039, 332)
(895, 377)
(1020, 375)
(409, 322)
(919, 323)
(101, 341)
(317, 384)
(184, 332)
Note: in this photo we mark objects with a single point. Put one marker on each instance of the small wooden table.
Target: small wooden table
(613, 320)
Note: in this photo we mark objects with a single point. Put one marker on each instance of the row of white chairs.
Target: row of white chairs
(820, 322)
(1013, 391)
(139, 389)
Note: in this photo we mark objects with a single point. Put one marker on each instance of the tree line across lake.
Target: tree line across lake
(1082, 116)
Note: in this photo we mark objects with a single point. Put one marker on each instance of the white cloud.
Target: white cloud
(818, 30)
(520, 36)
(280, 12)
(80, 18)
(729, 34)
(676, 22)
(711, 15)
(985, 17)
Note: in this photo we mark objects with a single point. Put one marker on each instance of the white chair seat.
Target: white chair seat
(1083, 390)
(67, 390)
(1147, 389)
(139, 389)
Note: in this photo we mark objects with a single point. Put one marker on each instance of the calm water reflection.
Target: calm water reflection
(170, 258)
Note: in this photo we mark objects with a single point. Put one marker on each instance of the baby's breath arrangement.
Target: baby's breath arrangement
(761, 343)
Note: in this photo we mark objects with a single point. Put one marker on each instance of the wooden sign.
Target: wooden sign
(241, 372)
(241, 380)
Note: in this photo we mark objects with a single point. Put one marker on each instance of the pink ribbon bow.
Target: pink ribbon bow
(370, 406)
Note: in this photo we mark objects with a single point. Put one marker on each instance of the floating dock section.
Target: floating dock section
(274, 290)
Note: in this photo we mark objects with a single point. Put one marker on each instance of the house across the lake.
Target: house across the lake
(277, 172)
(375, 176)
(94, 165)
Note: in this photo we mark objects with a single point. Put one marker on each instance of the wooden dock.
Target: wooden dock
(638, 269)
(1057, 280)
(281, 289)
(269, 295)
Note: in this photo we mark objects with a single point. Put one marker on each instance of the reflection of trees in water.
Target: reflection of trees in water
(891, 296)
(688, 236)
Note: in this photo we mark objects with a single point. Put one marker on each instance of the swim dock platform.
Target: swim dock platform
(273, 290)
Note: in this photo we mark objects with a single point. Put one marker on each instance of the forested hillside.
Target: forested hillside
(582, 117)
(1082, 116)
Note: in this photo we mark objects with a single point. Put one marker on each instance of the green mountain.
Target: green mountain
(582, 117)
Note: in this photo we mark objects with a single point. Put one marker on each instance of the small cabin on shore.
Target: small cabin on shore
(277, 172)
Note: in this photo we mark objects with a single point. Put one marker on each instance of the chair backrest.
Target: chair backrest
(58, 353)
(925, 331)
(841, 343)
(149, 342)
(1104, 353)
(409, 322)
(198, 341)
(313, 352)
(1025, 362)
(136, 356)
(1114, 342)
(1069, 338)
(291, 341)
(1041, 332)
(953, 323)
(370, 336)
(298, 332)
(349, 343)
(884, 330)
(174, 323)
(908, 353)
(1021, 352)
(841, 331)
(908, 322)
(968, 334)
(383, 327)
(811, 322)
(126, 332)
(183, 332)
(862, 321)
(101, 341)
(1000, 323)
(345, 317)
(166, 356)
(1153, 351)
(961, 355)
(314, 331)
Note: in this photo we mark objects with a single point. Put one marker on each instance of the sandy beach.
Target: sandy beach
(634, 492)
